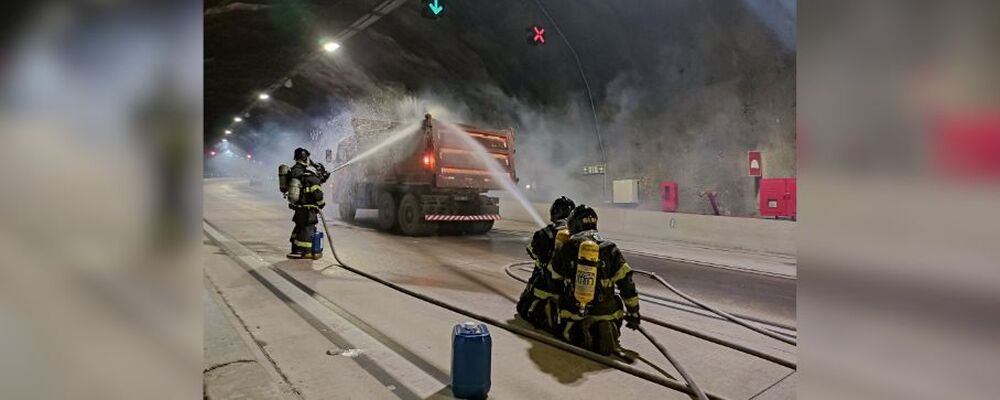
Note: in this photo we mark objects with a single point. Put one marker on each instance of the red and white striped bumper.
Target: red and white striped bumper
(483, 217)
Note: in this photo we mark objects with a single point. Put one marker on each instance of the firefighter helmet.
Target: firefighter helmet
(301, 154)
(582, 218)
(561, 208)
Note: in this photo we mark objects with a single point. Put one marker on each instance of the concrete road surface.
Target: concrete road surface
(334, 334)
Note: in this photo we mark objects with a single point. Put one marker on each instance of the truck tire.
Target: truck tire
(480, 227)
(347, 210)
(411, 217)
(386, 211)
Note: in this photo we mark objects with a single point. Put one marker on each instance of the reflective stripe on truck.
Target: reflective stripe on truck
(442, 217)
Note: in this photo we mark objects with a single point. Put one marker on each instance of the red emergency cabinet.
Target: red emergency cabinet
(777, 197)
(668, 196)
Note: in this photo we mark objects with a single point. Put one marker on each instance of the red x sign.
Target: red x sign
(539, 35)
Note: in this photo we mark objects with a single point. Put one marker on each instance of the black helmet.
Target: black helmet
(561, 208)
(301, 154)
(583, 218)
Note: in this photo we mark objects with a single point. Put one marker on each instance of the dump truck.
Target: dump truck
(426, 181)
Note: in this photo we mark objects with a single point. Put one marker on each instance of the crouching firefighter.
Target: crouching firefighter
(301, 185)
(591, 267)
(538, 304)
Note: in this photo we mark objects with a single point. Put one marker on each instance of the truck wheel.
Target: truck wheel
(480, 227)
(411, 217)
(347, 210)
(386, 211)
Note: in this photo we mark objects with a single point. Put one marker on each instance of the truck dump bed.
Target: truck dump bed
(423, 178)
(461, 162)
(432, 154)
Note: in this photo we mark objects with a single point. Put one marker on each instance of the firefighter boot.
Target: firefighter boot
(294, 255)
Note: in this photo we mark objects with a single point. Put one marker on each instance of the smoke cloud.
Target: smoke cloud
(681, 101)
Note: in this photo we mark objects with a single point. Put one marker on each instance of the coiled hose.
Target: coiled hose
(688, 331)
(690, 389)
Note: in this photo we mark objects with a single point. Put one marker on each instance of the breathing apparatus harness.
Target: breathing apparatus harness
(291, 188)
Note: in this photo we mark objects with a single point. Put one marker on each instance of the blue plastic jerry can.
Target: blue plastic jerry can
(470, 360)
(317, 243)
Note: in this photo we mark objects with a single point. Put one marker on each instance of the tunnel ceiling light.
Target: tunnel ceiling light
(249, 156)
(224, 140)
(330, 46)
(229, 132)
(237, 119)
(264, 96)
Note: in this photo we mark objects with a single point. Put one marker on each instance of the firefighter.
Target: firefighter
(589, 268)
(305, 197)
(538, 304)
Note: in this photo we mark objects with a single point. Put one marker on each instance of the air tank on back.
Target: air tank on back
(283, 178)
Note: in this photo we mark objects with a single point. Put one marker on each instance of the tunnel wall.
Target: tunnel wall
(753, 234)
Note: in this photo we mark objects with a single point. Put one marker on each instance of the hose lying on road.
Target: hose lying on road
(691, 332)
(720, 313)
(528, 333)
(687, 378)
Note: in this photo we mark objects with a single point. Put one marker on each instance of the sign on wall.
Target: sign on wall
(754, 164)
(595, 169)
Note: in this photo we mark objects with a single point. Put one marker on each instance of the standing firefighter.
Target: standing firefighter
(589, 268)
(538, 304)
(306, 198)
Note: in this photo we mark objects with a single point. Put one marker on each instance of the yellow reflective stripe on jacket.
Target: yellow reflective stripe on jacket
(300, 243)
(555, 275)
(311, 206)
(632, 302)
(566, 330)
(624, 270)
(577, 317)
(541, 294)
(313, 188)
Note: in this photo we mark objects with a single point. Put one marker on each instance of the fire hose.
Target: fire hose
(691, 332)
(663, 350)
(690, 388)
(723, 314)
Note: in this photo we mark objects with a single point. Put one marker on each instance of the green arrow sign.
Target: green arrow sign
(435, 7)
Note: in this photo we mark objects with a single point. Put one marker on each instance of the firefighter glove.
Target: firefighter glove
(632, 322)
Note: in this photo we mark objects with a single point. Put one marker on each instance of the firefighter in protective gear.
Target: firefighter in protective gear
(305, 197)
(538, 303)
(589, 268)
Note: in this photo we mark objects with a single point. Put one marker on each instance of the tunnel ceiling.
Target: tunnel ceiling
(657, 50)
